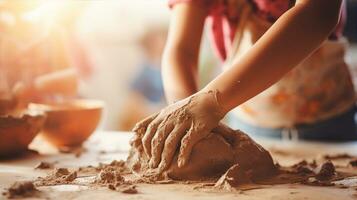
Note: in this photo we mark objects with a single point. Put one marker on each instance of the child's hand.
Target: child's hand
(183, 123)
(63, 82)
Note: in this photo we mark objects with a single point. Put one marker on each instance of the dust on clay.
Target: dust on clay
(105, 175)
(57, 177)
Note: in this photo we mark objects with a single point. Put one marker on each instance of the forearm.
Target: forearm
(294, 36)
(180, 58)
(179, 76)
(64, 82)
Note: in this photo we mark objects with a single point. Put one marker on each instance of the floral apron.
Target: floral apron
(317, 89)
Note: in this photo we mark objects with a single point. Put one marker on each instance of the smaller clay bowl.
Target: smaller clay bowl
(18, 130)
(69, 124)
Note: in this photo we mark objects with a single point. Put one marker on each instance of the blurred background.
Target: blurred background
(115, 47)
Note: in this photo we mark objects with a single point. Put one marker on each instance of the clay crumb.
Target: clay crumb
(44, 165)
(22, 189)
(326, 172)
(303, 168)
(71, 177)
(59, 172)
(111, 187)
(131, 189)
(111, 174)
(57, 177)
(301, 163)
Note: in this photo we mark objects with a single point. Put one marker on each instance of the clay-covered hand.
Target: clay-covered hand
(180, 125)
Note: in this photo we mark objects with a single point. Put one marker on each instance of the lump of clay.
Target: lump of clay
(22, 189)
(211, 157)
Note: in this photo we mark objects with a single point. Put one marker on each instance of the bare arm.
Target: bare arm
(180, 58)
(183, 124)
(293, 37)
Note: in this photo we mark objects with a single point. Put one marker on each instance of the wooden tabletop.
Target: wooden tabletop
(105, 146)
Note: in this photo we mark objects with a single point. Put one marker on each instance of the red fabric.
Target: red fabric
(224, 23)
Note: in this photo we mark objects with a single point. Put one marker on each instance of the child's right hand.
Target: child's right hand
(179, 126)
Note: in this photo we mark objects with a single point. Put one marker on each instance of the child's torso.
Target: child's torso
(318, 88)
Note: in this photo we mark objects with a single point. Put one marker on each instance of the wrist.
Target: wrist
(219, 99)
(213, 102)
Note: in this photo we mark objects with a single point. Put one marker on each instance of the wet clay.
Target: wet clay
(210, 158)
(22, 189)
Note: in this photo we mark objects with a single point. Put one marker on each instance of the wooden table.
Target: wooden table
(106, 146)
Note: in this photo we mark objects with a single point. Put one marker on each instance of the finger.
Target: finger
(149, 134)
(171, 145)
(141, 126)
(158, 141)
(188, 141)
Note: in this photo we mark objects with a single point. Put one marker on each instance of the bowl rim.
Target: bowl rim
(69, 105)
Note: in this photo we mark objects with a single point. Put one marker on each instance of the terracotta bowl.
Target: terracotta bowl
(70, 123)
(18, 130)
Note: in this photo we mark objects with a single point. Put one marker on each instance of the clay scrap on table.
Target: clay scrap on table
(22, 189)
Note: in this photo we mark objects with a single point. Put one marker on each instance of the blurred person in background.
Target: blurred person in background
(146, 94)
(40, 56)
